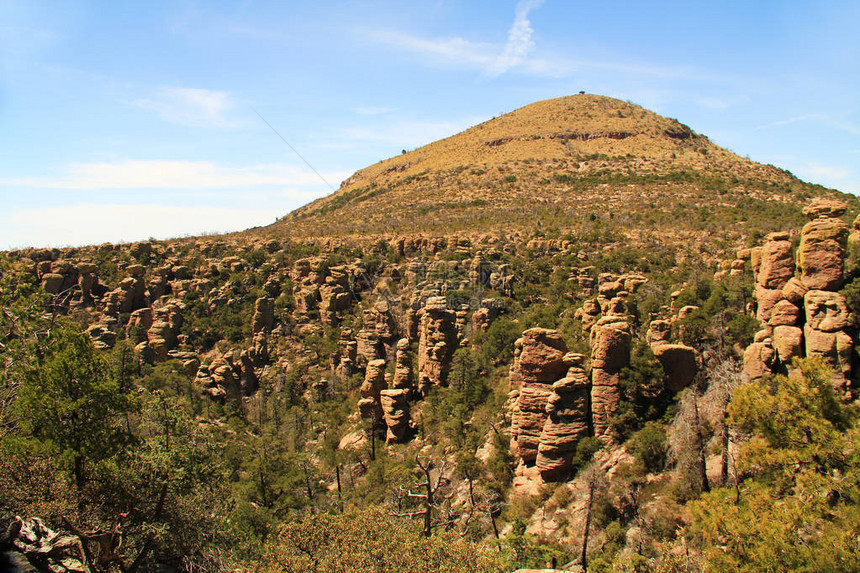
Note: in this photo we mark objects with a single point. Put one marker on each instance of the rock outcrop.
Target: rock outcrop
(538, 363)
(264, 315)
(801, 312)
(610, 352)
(395, 410)
(567, 421)
(370, 404)
(437, 342)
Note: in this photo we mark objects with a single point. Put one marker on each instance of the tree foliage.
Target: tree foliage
(797, 504)
(361, 540)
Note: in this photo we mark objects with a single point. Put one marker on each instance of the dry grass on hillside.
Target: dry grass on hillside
(552, 165)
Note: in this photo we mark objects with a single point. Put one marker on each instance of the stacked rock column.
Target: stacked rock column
(801, 311)
(567, 420)
(610, 353)
(538, 363)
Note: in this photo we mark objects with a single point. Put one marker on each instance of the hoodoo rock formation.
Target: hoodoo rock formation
(370, 405)
(436, 344)
(538, 363)
(567, 421)
(611, 339)
(799, 306)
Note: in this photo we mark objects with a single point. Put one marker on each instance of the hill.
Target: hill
(549, 167)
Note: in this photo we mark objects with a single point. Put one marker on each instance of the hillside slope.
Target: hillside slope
(552, 165)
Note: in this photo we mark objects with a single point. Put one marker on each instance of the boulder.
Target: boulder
(826, 311)
(538, 357)
(766, 299)
(681, 363)
(776, 265)
(658, 331)
(828, 208)
(834, 347)
(821, 253)
(788, 343)
(52, 283)
(610, 344)
(784, 313)
(794, 291)
(759, 358)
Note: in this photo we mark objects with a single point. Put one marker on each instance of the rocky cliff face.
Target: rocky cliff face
(567, 421)
(538, 363)
(797, 299)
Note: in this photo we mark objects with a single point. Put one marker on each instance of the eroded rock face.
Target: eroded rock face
(264, 315)
(167, 320)
(347, 355)
(402, 366)
(538, 362)
(368, 347)
(821, 252)
(759, 358)
(803, 315)
(610, 352)
(680, 362)
(826, 311)
(567, 421)
(370, 404)
(437, 342)
(321, 289)
(788, 342)
(777, 262)
(395, 409)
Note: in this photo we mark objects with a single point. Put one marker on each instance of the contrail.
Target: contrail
(295, 151)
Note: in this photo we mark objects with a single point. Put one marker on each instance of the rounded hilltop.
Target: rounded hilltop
(546, 164)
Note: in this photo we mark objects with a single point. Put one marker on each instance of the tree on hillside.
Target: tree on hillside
(797, 507)
(72, 403)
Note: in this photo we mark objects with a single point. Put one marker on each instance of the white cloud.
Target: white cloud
(825, 172)
(87, 224)
(516, 55)
(519, 39)
(456, 51)
(160, 174)
(833, 176)
(192, 106)
(816, 117)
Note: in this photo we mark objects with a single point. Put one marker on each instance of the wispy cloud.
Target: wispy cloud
(824, 172)
(89, 223)
(835, 176)
(159, 174)
(519, 39)
(520, 54)
(814, 117)
(456, 51)
(192, 106)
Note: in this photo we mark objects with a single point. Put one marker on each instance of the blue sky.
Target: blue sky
(125, 120)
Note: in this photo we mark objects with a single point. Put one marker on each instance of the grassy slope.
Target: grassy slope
(548, 167)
